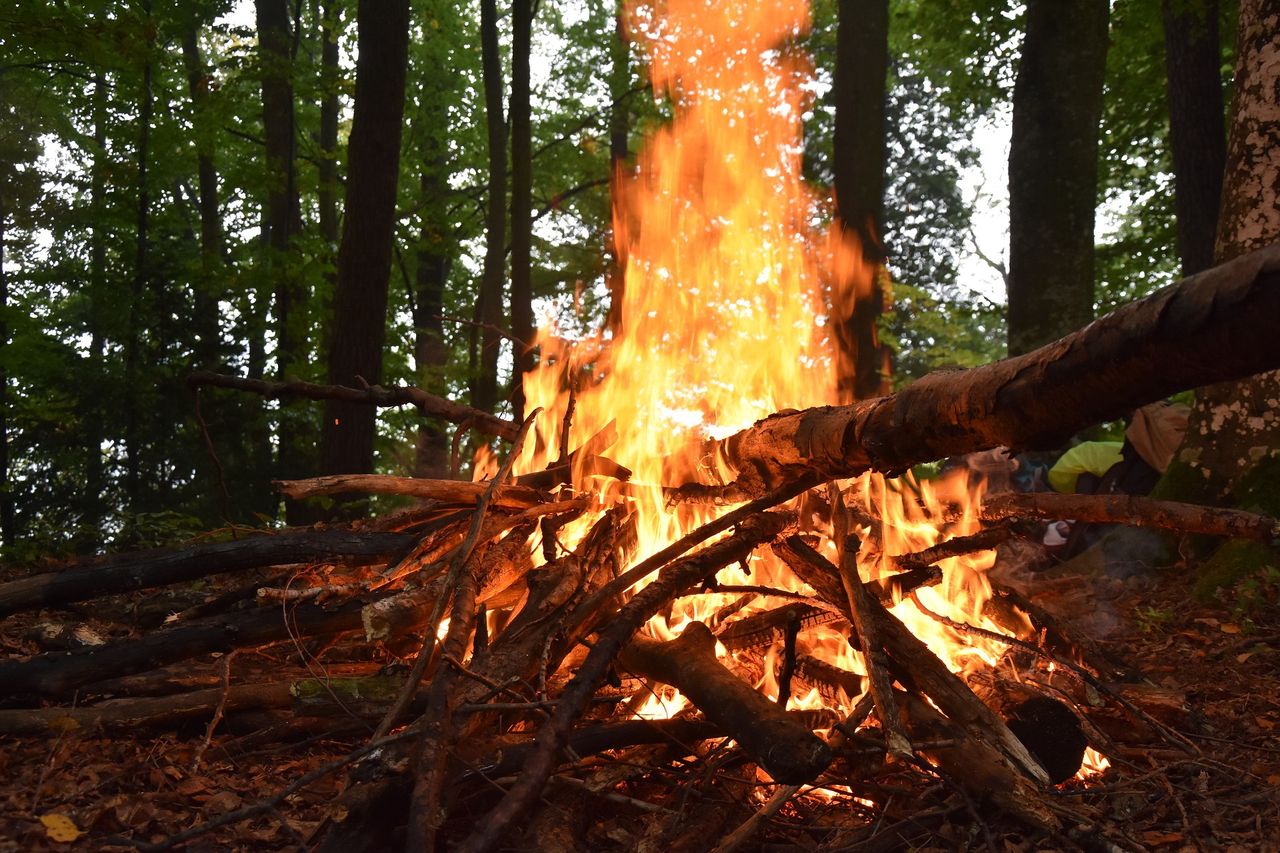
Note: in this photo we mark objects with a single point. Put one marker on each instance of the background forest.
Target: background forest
(321, 189)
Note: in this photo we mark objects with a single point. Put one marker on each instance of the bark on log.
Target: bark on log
(1212, 327)
(788, 751)
(1136, 511)
(125, 715)
(60, 675)
(162, 566)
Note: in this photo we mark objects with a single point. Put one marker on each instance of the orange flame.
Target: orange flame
(729, 287)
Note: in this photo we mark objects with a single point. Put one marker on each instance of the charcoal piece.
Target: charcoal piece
(1050, 732)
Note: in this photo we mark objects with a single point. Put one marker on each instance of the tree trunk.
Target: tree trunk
(327, 192)
(95, 484)
(484, 381)
(1231, 453)
(430, 352)
(522, 12)
(1053, 170)
(860, 159)
(1193, 61)
(141, 276)
(207, 291)
(368, 231)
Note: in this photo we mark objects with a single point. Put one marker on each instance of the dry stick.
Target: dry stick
(629, 578)
(431, 764)
(1136, 511)
(217, 712)
(445, 491)
(455, 570)
(946, 689)
(878, 678)
(779, 798)
(552, 737)
(375, 395)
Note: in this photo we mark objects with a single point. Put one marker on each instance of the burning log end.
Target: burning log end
(788, 751)
(1051, 733)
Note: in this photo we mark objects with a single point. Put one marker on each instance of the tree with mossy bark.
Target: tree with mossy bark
(1231, 454)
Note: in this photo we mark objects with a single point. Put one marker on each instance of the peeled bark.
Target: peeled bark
(1214, 326)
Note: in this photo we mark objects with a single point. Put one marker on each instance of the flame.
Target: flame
(1094, 763)
(730, 286)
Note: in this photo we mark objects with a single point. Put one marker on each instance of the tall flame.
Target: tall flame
(729, 282)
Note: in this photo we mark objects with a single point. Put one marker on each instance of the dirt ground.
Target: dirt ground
(81, 790)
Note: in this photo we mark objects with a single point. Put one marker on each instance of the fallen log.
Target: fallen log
(787, 750)
(61, 674)
(1216, 326)
(162, 566)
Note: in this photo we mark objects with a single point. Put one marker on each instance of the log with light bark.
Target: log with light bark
(1212, 327)
(1137, 511)
(448, 492)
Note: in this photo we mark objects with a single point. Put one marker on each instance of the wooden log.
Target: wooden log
(126, 715)
(374, 395)
(1136, 355)
(788, 751)
(60, 675)
(451, 492)
(1136, 511)
(161, 566)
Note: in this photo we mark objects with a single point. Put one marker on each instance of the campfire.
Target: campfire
(677, 590)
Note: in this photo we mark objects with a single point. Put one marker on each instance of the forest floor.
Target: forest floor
(1226, 659)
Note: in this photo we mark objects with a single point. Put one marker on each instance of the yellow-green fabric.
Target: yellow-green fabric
(1089, 457)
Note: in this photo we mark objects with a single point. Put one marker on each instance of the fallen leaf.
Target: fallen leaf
(1244, 657)
(1229, 628)
(222, 802)
(187, 787)
(1155, 837)
(59, 827)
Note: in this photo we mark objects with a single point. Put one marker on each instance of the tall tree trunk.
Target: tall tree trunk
(95, 484)
(429, 350)
(619, 131)
(860, 159)
(283, 220)
(327, 194)
(1231, 453)
(1193, 60)
(368, 230)
(522, 12)
(141, 277)
(283, 223)
(1053, 170)
(208, 291)
(484, 382)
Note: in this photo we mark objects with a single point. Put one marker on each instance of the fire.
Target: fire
(731, 281)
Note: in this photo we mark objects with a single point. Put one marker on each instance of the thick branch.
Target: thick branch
(1137, 511)
(375, 395)
(445, 491)
(1215, 326)
(162, 566)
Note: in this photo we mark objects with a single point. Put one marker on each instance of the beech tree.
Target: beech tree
(1231, 453)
